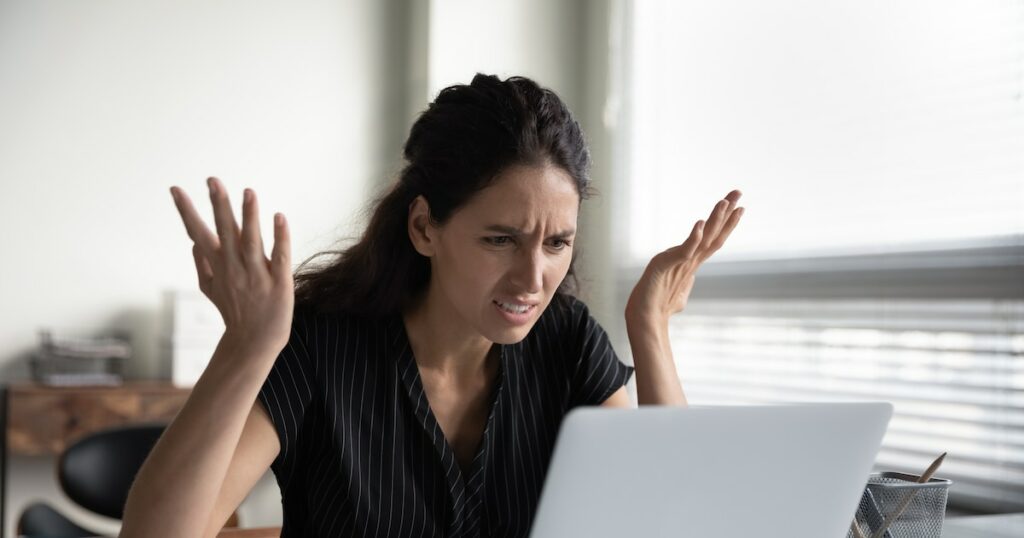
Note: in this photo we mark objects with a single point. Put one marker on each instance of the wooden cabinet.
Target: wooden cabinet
(43, 420)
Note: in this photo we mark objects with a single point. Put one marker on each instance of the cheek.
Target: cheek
(472, 271)
(558, 269)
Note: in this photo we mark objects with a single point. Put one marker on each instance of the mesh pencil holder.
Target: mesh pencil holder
(886, 494)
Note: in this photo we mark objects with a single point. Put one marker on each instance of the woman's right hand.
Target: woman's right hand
(254, 295)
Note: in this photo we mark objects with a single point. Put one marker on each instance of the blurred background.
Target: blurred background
(879, 146)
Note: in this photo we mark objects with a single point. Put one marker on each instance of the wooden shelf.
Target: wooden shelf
(44, 420)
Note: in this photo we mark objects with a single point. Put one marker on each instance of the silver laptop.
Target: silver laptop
(790, 471)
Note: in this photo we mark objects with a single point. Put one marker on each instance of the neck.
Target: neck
(441, 341)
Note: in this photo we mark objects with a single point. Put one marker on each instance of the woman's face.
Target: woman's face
(499, 259)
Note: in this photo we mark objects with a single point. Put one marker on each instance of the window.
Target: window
(880, 148)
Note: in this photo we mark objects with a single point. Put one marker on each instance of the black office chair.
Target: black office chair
(39, 519)
(96, 472)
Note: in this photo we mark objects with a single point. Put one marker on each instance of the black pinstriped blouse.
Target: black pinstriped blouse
(362, 454)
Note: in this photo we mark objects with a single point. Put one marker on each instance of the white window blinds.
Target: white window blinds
(952, 370)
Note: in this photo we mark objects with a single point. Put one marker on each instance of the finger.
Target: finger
(227, 227)
(252, 240)
(715, 222)
(281, 255)
(730, 225)
(697, 233)
(203, 270)
(734, 197)
(197, 230)
(686, 250)
(712, 240)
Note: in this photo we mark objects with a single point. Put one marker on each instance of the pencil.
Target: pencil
(906, 502)
(856, 529)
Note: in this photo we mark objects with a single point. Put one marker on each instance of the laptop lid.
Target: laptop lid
(734, 471)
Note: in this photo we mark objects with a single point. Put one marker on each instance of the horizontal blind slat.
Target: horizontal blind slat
(952, 390)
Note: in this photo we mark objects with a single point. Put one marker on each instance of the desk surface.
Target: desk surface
(997, 526)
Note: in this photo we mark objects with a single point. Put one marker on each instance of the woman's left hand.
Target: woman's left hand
(666, 283)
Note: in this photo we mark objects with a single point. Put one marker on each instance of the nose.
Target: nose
(527, 275)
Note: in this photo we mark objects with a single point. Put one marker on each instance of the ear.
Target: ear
(421, 232)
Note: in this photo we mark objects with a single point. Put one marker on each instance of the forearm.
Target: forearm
(657, 382)
(176, 488)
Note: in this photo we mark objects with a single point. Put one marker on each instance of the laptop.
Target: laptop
(793, 471)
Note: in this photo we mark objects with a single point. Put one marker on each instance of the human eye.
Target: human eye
(560, 244)
(498, 240)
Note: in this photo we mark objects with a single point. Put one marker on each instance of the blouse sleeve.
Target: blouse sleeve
(287, 392)
(598, 372)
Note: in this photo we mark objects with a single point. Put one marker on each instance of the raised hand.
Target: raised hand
(668, 279)
(254, 294)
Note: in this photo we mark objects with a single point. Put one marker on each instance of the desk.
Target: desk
(44, 420)
(995, 526)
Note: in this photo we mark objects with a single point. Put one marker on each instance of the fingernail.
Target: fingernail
(248, 196)
(174, 194)
(212, 184)
(279, 219)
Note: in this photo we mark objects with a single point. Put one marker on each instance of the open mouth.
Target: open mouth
(515, 314)
(515, 309)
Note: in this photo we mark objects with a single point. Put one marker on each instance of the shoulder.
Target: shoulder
(320, 330)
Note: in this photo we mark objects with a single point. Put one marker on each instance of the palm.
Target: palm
(665, 286)
(253, 293)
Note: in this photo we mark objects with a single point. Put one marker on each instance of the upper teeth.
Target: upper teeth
(514, 308)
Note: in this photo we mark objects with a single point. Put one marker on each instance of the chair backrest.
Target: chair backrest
(97, 471)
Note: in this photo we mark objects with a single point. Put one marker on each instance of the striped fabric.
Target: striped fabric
(362, 454)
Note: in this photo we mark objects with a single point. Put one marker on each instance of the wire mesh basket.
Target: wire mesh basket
(918, 508)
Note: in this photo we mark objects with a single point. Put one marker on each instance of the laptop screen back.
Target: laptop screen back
(791, 470)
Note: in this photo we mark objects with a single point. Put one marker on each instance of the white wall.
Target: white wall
(534, 38)
(105, 104)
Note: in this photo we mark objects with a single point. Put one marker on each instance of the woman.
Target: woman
(414, 385)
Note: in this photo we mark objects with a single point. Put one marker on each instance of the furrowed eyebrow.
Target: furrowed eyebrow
(509, 230)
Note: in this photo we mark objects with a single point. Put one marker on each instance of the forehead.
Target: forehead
(526, 197)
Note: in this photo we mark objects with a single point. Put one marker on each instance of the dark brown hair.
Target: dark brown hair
(456, 147)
